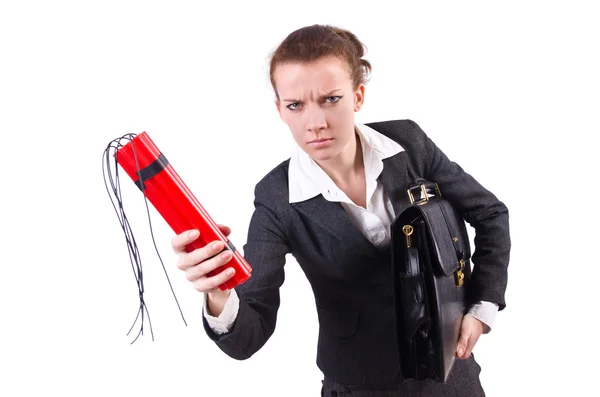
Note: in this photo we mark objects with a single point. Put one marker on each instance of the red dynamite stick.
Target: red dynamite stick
(178, 206)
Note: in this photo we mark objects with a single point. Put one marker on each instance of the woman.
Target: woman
(331, 205)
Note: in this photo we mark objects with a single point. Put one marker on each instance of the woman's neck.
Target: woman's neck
(348, 166)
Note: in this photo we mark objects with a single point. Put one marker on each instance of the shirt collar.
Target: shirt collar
(307, 179)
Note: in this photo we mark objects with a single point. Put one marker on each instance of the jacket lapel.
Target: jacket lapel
(394, 178)
(332, 217)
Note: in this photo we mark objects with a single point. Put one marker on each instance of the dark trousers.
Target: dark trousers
(463, 381)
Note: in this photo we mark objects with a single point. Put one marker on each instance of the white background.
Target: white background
(509, 91)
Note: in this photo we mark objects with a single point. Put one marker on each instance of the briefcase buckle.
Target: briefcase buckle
(424, 195)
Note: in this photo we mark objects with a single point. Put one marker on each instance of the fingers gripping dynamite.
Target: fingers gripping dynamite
(160, 184)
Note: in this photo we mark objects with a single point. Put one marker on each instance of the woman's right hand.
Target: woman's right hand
(198, 263)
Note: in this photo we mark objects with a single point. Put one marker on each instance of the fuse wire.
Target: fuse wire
(134, 255)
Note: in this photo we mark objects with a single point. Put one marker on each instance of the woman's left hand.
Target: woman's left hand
(470, 331)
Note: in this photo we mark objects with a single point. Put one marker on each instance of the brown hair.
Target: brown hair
(310, 43)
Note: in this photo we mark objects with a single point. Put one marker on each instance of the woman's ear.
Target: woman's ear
(359, 97)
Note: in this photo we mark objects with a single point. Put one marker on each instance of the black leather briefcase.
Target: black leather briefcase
(431, 269)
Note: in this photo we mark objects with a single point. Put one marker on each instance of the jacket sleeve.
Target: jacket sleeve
(484, 212)
(265, 252)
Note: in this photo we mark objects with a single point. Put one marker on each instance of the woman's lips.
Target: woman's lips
(320, 142)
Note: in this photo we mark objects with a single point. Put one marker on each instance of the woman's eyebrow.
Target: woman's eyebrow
(322, 96)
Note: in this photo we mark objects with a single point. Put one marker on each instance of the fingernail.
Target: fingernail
(229, 271)
(217, 246)
(226, 255)
(193, 234)
(460, 351)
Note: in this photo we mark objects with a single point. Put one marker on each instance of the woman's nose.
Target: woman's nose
(315, 120)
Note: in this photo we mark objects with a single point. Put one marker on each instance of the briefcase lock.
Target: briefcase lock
(459, 275)
(408, 231)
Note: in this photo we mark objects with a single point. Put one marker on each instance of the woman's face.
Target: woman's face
(317, 102)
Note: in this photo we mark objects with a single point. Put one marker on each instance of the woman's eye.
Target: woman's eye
(331, 99)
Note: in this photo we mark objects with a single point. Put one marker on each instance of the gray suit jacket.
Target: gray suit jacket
(351, 278)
